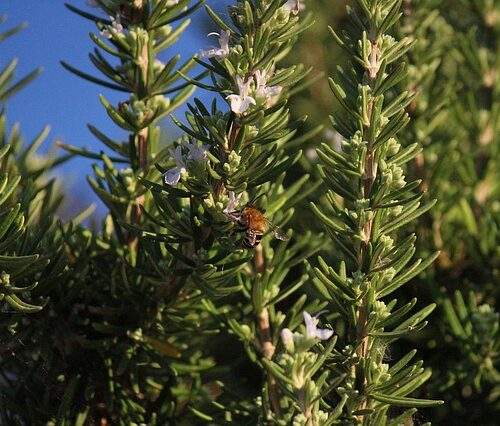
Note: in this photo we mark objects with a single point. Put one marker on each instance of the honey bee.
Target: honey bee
(251, 220)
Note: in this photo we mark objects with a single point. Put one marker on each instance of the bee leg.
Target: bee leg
(234, 216)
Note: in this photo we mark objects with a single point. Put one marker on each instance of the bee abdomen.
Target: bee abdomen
(252, 239)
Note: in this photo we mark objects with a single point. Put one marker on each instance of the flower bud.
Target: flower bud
(287, 339)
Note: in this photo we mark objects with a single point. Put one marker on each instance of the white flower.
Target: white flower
(312, 331)
(272, 91)
(241, 102)
(311, 154)
(196, 153)
(264, 92)
(173, 176)
(295, 6)
(221, 52)
(116, 25)
(232, 203)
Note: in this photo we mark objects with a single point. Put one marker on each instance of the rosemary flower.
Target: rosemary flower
(220, 52)
(241, 102)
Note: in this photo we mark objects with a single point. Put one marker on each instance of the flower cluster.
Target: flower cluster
(257, 83)
(313, 333)
(265, 94)
(195, 152)
(116, 26)
(299, 364)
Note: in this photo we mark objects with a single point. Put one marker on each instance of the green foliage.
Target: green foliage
(245, 154)
(199, 298)
(101, 339)
(26, 206)
(130, 298)
(368, 200)
(11, 228)
(476, 330)
(454, 117)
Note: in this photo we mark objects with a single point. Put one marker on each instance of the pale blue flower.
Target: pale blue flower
(295, 6)
(220, 52)
(232, 203)
(312, 331)
(240, 103)
(196, 153)
(173, 176)
(116, 25)
(262, 91)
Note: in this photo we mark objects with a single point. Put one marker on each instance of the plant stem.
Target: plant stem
(140, 139)
(370, 173)
(220, 188)
(266, 342)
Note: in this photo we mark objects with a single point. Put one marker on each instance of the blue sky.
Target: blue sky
(59, 98)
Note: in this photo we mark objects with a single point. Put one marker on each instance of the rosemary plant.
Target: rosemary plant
(19, 263)
(200, 299)
(232, 165)
(99, 351)
(368, 200)
(459, 165)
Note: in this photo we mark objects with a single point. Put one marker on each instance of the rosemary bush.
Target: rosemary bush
(456, 120)
(235, 280)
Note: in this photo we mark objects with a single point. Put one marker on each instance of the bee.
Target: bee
(252, 221)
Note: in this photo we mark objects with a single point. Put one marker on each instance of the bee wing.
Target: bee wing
(278, 232)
